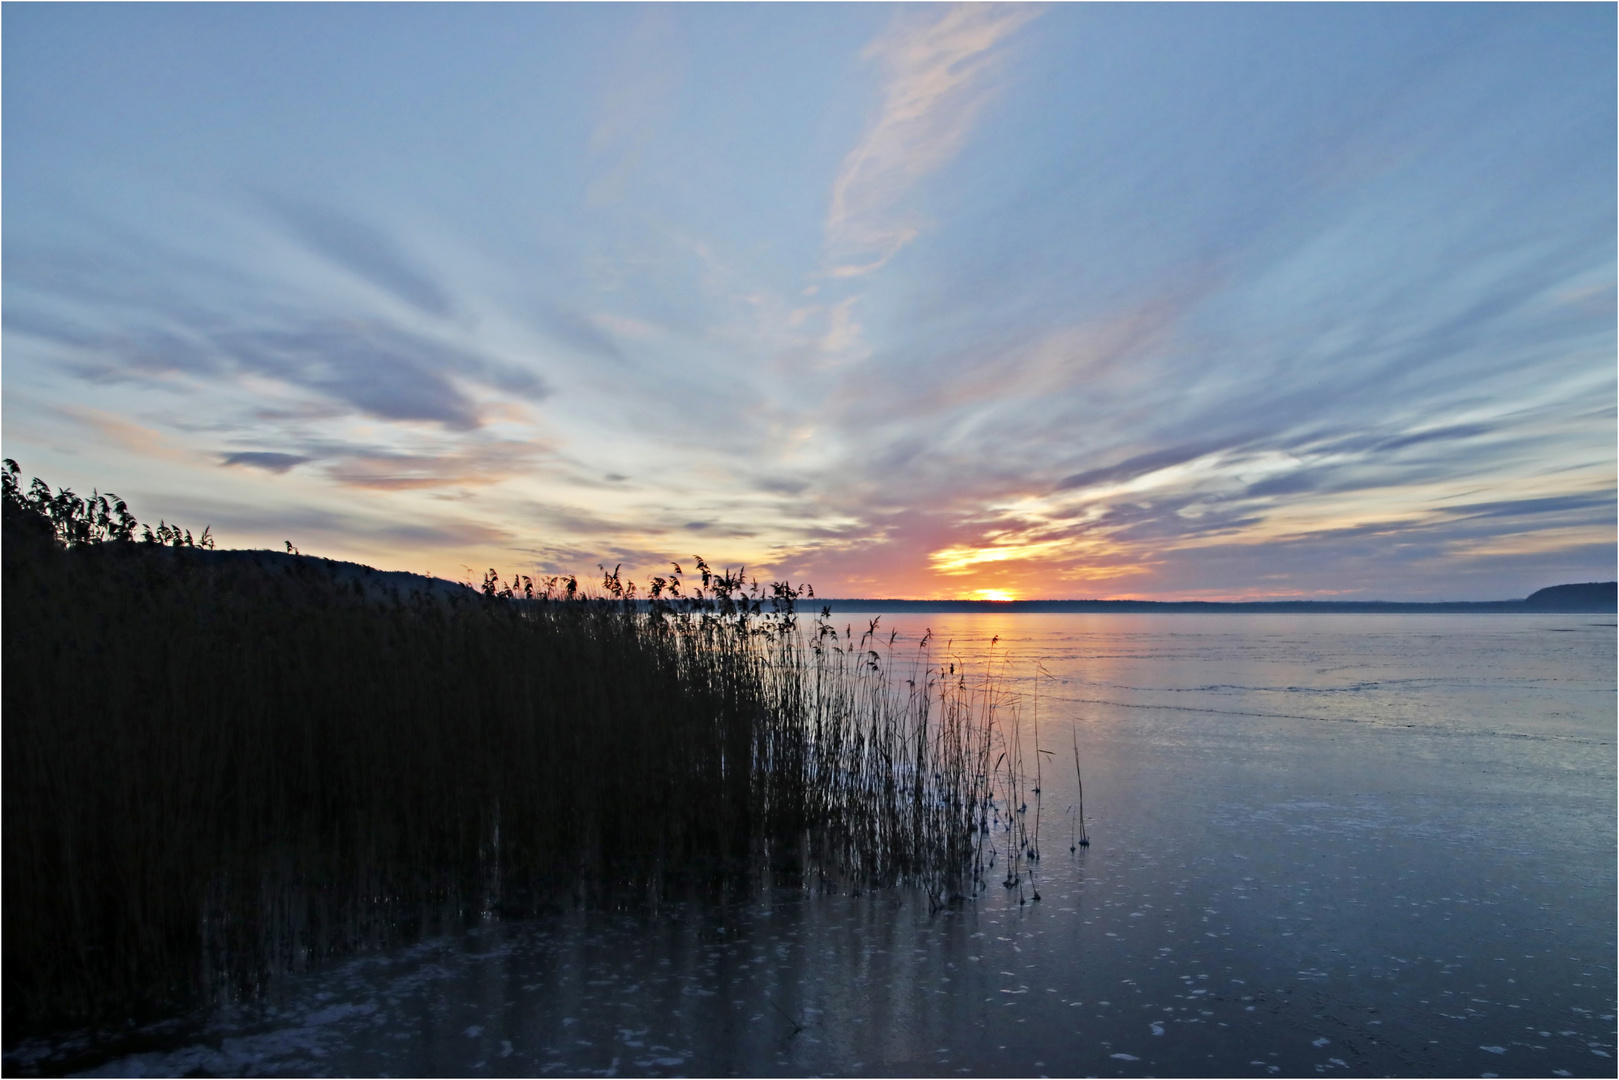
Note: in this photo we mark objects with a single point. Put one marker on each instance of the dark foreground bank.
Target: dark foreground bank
(222, 767)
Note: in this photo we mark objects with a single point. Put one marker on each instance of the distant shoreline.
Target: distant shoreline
(1301, 607)
(1584, 599)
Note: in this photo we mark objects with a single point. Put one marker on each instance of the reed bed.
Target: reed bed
(220, 769)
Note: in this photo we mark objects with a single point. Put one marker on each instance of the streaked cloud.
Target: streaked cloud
(268, 460)
(940, 69)
(379, 370)
(363, 250)
(368, 364)
(463, 465)
(643, 78)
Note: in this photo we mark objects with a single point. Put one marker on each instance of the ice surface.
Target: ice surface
(1388, 838)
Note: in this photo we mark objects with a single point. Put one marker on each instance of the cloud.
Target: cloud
(132, 439)
(447, 464)
(318, 530)
(156, 315)
(432, 464)
(364, 251)
(38, 324)
(1294, 483)
(782, 485)
(384, 372)
(1261, 475)
(122, 274)
(938, 81)
(640, 91)
(1556, 504)
(1138, 466)
(577, 332)
(376, 369)
(266, 460)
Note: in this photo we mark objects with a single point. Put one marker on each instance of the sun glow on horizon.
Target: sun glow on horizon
(961, 559)
(993, 594)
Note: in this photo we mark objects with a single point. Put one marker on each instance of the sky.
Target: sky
(1137, 301)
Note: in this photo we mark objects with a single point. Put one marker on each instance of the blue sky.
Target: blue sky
(1067, 301)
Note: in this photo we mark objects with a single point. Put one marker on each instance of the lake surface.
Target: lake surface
(1368, 845)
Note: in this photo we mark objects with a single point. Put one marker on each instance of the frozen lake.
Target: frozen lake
(1370, 845)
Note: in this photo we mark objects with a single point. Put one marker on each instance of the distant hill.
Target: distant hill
(1595, 596)
(378, 583)
(1591, 596)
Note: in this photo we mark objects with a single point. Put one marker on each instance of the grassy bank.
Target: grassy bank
(218, 769)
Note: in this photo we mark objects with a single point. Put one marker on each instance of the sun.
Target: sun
(993, 594)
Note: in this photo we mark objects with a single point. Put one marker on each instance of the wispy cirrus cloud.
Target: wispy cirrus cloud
(464, 465)
(362, 250)
(638, 100)
(366, 366)
(380, 370)
(153, 316)
(940, 75)
(421, 459)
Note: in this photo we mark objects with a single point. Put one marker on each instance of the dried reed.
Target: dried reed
(217, 770)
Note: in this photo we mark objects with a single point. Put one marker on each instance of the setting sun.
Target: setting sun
(993, 594)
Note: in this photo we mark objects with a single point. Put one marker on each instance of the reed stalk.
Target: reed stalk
(220, 769)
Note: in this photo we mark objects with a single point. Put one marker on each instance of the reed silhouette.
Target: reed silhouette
(222, 766)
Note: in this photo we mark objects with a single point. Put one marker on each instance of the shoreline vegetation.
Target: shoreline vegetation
(222, 766)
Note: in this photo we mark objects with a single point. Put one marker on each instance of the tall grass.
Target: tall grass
(219, 769)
